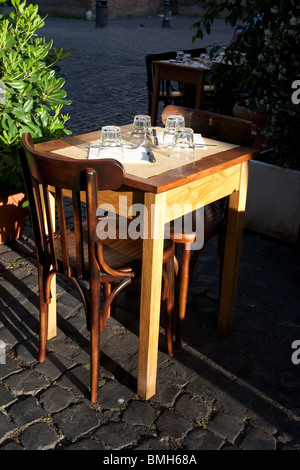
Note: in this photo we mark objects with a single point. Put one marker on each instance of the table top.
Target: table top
(216, 161)
(173, 63)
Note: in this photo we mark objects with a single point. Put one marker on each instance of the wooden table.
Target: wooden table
(198, 183)
(165, 70)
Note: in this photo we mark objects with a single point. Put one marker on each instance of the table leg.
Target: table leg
(52, 323)
(52, 315)
(154, 106)
(151, 294)
(199, 91)
(234, 234)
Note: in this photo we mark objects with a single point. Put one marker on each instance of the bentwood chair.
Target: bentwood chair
(218, 127)
(79, 254)
(167, 93)
(196, 51)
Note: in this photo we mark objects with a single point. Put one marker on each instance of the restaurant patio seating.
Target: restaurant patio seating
(218, 127)
(79, 254)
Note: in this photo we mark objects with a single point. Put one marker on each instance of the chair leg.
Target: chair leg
(95, 340)
(183, 291)
(43, 316)
(107, 291)
(170, 305)
(43, 330)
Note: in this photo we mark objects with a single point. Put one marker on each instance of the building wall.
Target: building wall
(115, 8)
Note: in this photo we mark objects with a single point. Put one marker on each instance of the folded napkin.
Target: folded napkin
(128, 155)
(198, 140)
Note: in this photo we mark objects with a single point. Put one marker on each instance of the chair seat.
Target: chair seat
(117, 253)
(214, 218)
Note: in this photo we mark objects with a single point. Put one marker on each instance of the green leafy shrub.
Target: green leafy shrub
(32, 95)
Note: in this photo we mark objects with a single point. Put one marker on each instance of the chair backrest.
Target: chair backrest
(45, 176)
(214, 126)
(196, 51)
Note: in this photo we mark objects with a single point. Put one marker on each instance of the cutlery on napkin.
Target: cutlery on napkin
(130, 155)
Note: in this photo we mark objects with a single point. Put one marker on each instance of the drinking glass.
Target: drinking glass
(183, 147)
(172, 123)
(205, 59)
(110, 142)
(187, 59)
(140, 129)
(179, 56)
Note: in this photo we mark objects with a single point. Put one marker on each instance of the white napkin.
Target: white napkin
(138, 155)
(198, 140)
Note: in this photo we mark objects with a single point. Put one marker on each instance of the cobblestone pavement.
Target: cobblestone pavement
(216, 393)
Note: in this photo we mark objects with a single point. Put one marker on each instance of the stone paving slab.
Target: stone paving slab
(235, 393)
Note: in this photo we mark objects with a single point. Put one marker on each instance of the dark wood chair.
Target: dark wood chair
(169, 92)
(218, 127)
(79, 254)
(196, 51)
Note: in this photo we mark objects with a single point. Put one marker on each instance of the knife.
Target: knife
(150, 154)
(155, 139)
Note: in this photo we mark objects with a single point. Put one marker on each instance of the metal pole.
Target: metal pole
(166, 21)
(101, 13)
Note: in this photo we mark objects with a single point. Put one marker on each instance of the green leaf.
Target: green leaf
(28, 105)
(16, 84)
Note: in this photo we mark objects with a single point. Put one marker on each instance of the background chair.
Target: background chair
(79, 254)
(168, 94)
(196, 51)
(218, 127)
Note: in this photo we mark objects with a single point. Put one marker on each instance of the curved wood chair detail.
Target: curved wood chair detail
(218, 127)
(78, 253)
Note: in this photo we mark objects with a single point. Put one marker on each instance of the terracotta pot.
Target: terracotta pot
(242, 112)
(12, 217)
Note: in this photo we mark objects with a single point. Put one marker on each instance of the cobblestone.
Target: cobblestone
(215, 393)
(39, 436)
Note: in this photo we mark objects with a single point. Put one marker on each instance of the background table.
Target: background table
(180, 73)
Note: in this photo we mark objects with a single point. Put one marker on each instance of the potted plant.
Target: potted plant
(31, 100)
(262, 65)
